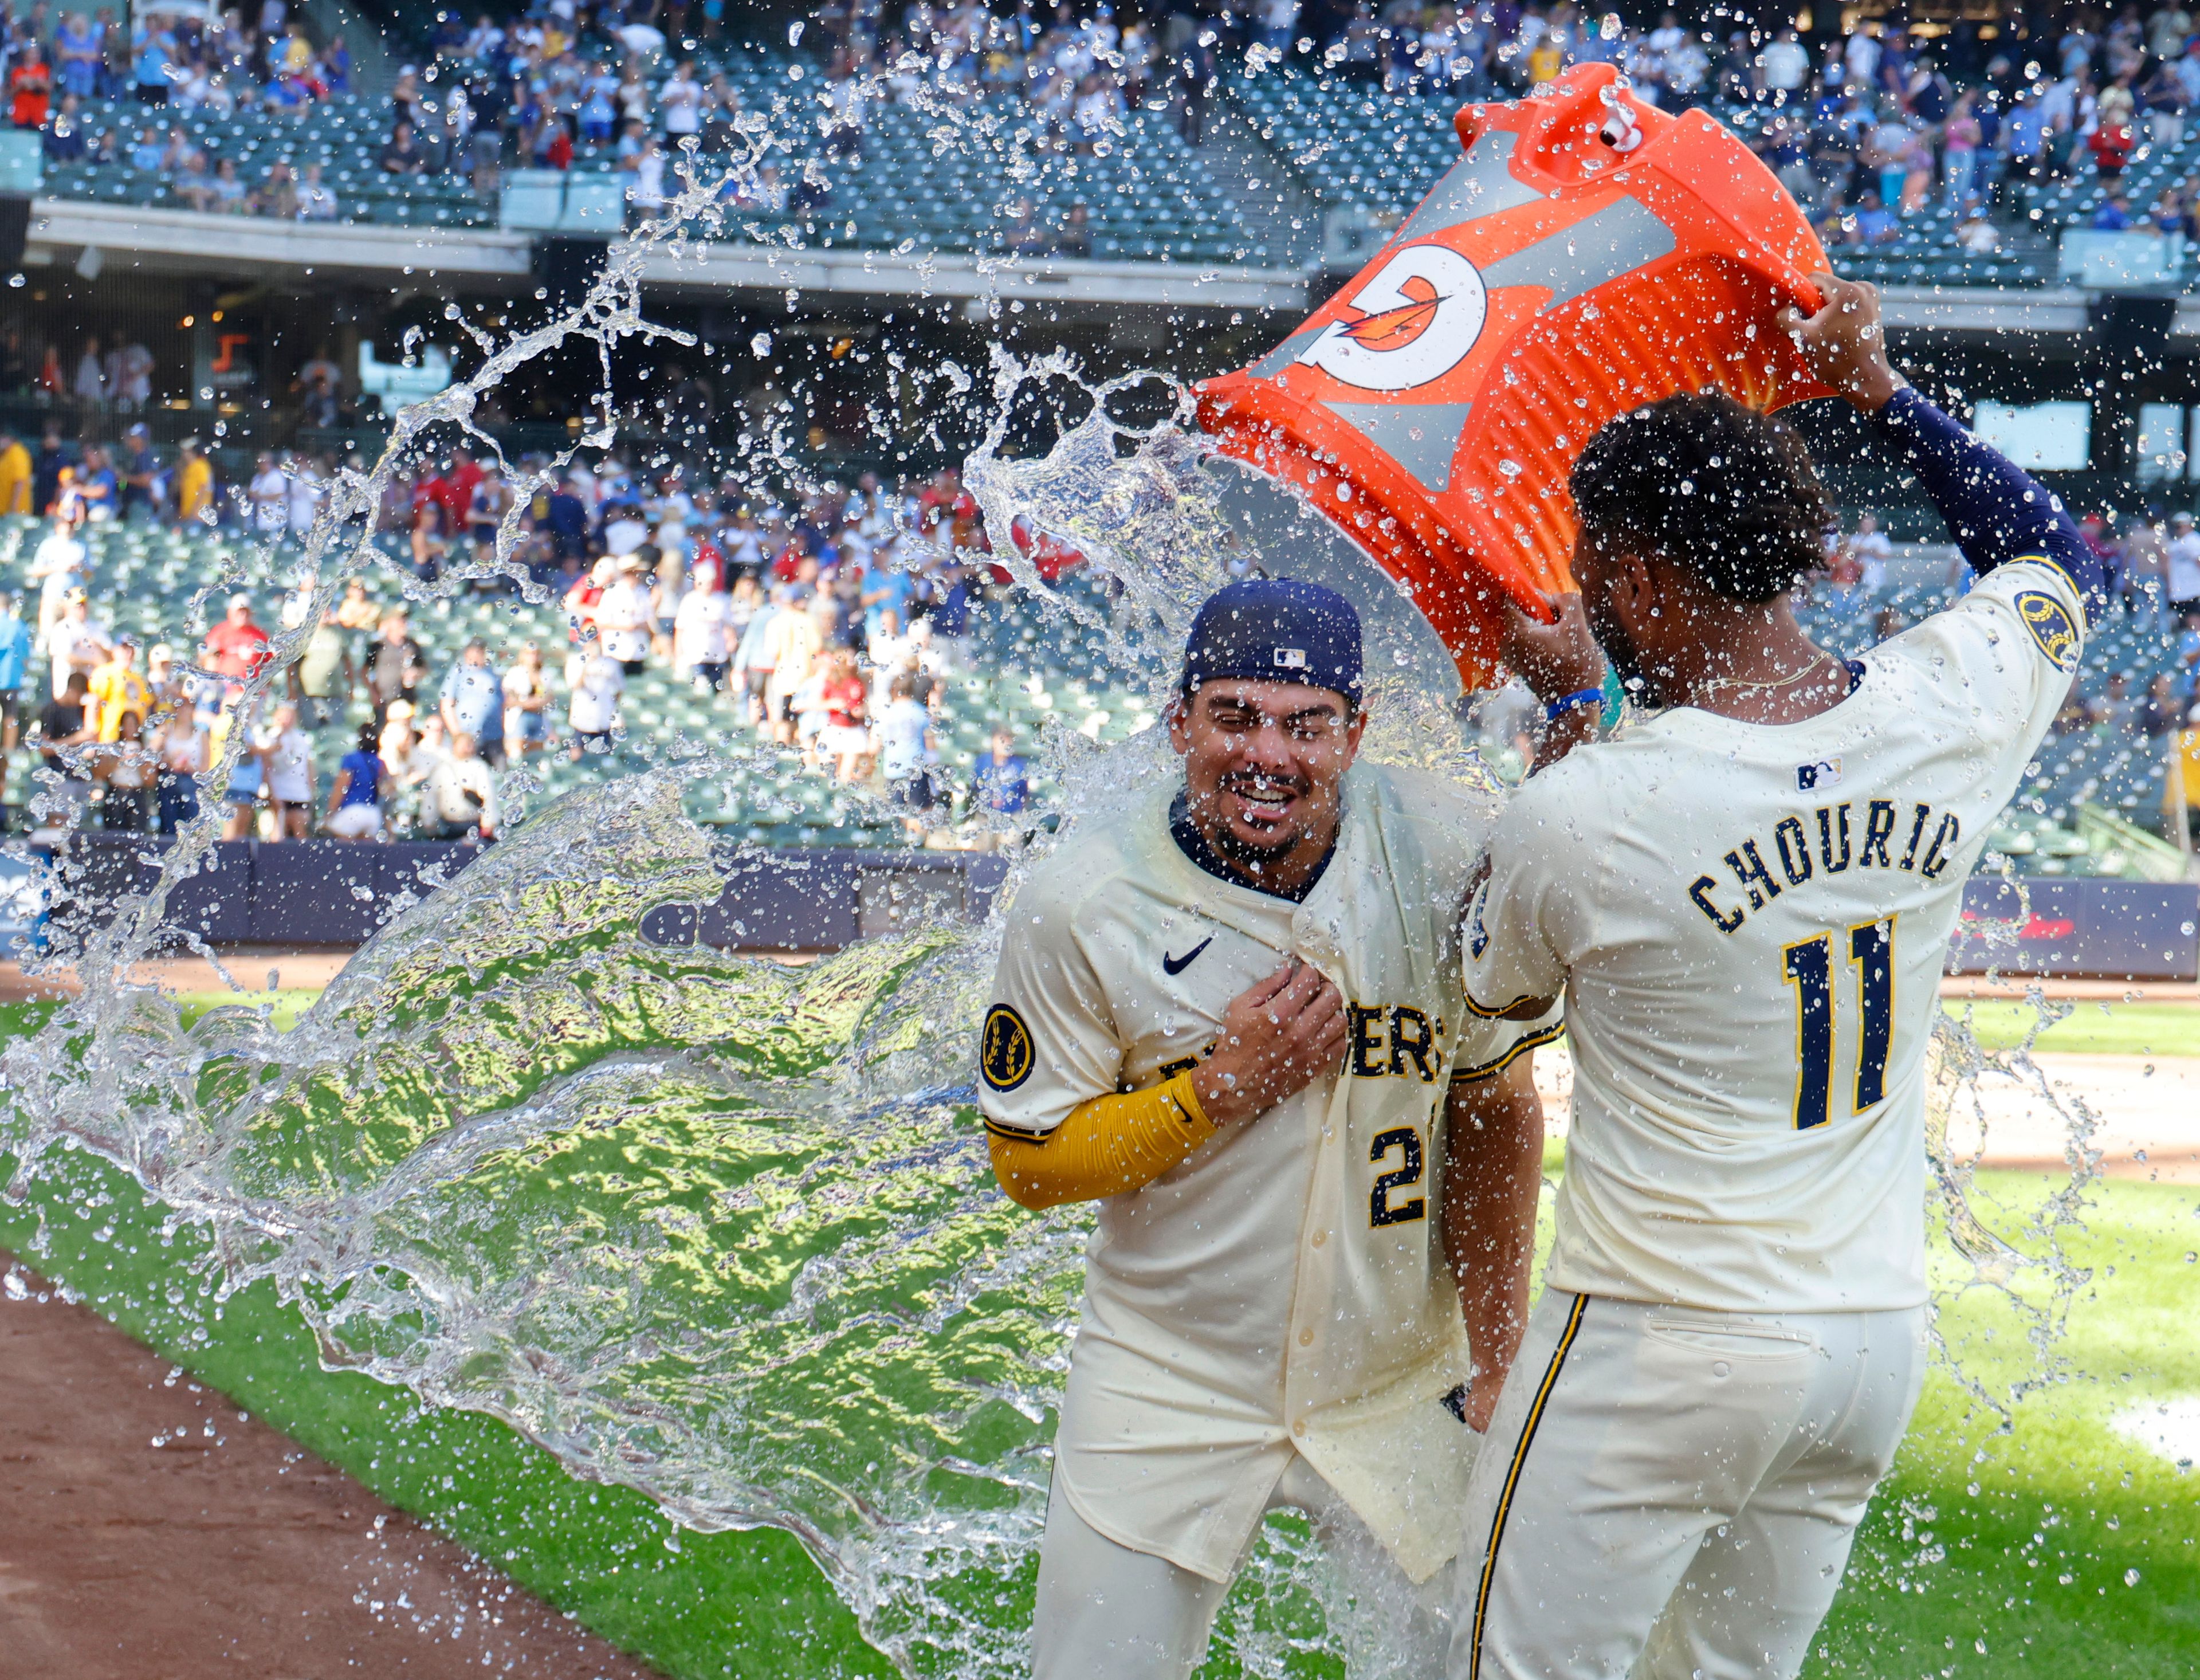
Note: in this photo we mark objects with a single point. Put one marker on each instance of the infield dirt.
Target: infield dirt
(153, 1530)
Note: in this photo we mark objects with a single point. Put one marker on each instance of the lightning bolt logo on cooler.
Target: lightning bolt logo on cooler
(1588, 254)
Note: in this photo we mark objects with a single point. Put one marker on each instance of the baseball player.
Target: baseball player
(1234, 1018)
(1746, 901)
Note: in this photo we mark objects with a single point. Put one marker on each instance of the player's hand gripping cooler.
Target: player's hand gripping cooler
(1590, 254)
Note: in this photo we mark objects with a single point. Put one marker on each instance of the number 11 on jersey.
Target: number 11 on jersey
(1808, 966)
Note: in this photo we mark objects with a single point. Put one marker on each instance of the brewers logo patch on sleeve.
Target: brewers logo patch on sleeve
(1004, 1050)
(2051, 626)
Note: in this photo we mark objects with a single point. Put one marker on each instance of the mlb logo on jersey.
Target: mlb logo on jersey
(1825, 773)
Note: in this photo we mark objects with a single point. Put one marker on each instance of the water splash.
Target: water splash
(714, 1228)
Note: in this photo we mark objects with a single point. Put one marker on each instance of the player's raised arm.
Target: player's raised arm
(1997, 510)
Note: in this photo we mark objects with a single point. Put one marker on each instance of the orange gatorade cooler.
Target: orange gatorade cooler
(1587, 254)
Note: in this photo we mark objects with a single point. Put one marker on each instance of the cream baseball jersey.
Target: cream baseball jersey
(1284, 1289)
(1702, 888)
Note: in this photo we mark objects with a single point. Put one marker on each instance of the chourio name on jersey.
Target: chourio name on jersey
(1832, 840)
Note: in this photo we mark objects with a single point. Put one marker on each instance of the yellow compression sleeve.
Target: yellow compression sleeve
(1103, 1147)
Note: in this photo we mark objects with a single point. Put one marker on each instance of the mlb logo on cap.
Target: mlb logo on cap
(1275, 629)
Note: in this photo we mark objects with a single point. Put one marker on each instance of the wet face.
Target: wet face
(1264, 764)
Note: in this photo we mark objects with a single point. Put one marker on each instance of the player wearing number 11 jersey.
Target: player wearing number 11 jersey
(1746, 900)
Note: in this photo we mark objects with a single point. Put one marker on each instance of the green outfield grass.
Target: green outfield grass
(2102, 1028)
(2033, 1565)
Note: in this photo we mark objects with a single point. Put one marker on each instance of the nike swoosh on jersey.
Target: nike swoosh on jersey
(1177, 965)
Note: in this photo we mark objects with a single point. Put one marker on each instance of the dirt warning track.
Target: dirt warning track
(152, 1530)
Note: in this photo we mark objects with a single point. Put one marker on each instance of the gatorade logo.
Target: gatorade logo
(1420, 313)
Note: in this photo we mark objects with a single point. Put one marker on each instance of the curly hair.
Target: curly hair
(1714, 487)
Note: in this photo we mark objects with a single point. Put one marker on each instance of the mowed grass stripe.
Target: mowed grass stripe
(751, 1605)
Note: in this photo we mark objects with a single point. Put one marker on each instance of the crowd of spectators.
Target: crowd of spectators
(55, 60)
(1868, 129)
(830, 628)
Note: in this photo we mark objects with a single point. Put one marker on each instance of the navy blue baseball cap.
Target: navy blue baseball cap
(1276, 630)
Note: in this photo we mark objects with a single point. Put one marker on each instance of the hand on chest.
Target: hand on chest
(1175, 978)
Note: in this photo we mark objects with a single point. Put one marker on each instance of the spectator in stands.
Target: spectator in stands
(401, 155)
(907, 752)
(316, 200)
(180, 748)
(97, 485)
(2113, 215)
(62, 730)
(395, 666)
(623, 616)
(236, 647)
(77, 643)
(2182, 565)
(471, 701)
(594, 680)
(77, 51)
(362, 783)
(1000, 784)
(2113, 136)
(680, 104)
(116, 687)
(702, 635)
(89, 384)
(59, 565)
(29, 89)
(2164, 99)
(225, 193)
(526, 703)
(154, 68)
(16, 646)
(195, 485)
(2117, 709)
(1975, 236)
(277, 194)
(2163, 712)
(247, 786)
(15, 476)
(1022, 233)
(792, 641)
(126, 771)
(846, 737)
(64, 137)
(323, 678)
(1075, 239)
(2180, 791)
(140, 472)
(285, 753)
(1874, 222)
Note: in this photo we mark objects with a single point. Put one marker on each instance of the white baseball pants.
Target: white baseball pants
(1108, 1612)
(1670, 1494)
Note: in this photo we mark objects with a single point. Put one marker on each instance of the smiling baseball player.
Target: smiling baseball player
(1746, 899)
(1235, 1019)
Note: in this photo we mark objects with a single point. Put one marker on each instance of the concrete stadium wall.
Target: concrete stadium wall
(327, 893)
(324, 892)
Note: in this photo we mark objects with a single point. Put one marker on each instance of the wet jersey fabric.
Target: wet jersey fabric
(1702, 888)
(1284, 1290)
